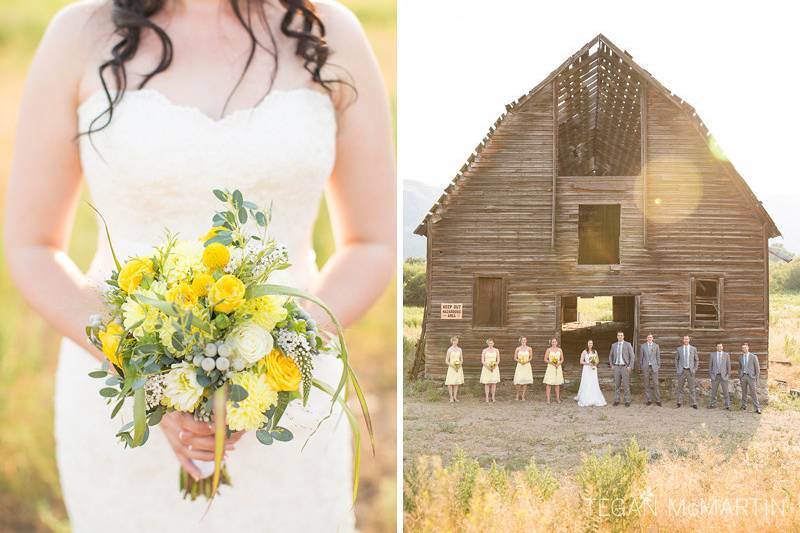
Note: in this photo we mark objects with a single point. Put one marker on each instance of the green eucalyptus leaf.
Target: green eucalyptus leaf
(237, 199)
(221, 195)
(281, 434)
(117, 407)
(264, 437)
(237, 393)
(108, 392)
(98, 374)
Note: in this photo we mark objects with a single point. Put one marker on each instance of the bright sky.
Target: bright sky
(461, 61)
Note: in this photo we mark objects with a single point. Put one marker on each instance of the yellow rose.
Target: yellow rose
(283, 374)
(213, 232)
(228, 291)
(132, 273)
(110, 339)
(202, 283)
(216, 255)
(183, 295)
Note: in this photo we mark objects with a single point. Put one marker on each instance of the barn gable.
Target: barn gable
(596, 94)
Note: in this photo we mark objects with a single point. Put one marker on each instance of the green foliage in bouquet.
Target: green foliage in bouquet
(198, 326)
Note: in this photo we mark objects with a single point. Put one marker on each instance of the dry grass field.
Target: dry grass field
(29, 489)
(514, 465)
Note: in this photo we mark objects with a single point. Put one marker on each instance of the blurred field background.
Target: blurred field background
(30, 497)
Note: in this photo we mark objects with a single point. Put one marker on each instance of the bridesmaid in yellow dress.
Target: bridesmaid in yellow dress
(455, 372)
(490, 373)
(523, 375)
(554, 357)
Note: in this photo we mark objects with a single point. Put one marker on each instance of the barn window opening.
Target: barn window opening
(599, 116)
(489, 302)
(598, 234)
(706, 303)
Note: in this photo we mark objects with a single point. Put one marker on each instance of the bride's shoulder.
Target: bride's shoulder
(343, 32)
(77, 30)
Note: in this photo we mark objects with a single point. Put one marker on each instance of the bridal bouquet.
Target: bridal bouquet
(554, 359)
(455, 363)
(523, 359)
(196, 327)
(593, 359)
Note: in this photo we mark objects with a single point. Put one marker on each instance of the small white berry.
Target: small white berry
(208, 364)
(224, 350)
(223, 364)
(211, 349)
(198, 360)
(238, 365)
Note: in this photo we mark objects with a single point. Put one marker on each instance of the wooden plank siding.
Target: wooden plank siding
(500, 223)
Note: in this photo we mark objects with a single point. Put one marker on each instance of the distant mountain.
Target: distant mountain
(417, 199)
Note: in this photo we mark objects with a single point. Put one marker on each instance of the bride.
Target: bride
(156, 102)
(589, 392)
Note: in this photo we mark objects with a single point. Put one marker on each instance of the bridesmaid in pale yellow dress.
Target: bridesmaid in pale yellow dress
(455, 372)
(523, 375)
(554, 375)
(490, 373)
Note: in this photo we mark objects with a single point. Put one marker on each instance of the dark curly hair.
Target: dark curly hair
(300, 22)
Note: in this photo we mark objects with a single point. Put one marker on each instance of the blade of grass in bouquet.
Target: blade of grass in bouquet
(139, 417)
(269, 289)
(219, 440)
(355, 429)
(108, 236)
(363, 403)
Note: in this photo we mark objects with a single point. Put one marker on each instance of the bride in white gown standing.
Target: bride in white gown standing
(589, 393)
(217, 94)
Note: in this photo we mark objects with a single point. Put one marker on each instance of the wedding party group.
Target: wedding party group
(622, 360)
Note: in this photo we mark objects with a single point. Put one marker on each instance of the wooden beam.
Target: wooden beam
(643, 129)
(555, 167)
(766, 276)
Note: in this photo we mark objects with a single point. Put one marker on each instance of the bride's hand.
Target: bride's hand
(192, 439)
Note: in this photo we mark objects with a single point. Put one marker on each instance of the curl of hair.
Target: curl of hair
(130, 17)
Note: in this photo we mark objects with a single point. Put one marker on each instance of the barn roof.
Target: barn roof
(583, 107)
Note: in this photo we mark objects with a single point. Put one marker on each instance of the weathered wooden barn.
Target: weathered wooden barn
(598, 182)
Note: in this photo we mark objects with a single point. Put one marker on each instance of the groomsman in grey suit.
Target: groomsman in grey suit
(686, 364)
(650, 362)
(749, 372)
(621, 359)
(719, 370)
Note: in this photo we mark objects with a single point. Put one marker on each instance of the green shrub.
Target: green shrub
(611, 486)
(466, 470)
(540, 480)
(414, 282)
(785, 277)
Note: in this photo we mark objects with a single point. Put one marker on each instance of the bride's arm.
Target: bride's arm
(44, 185)
(361, 193)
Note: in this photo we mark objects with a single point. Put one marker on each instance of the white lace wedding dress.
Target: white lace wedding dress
(154, 167)
(589, 393)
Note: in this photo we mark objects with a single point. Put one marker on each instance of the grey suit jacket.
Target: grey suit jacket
(650, 356)
(627, 354)
(753, 369)
(694, 361)
(724, 367)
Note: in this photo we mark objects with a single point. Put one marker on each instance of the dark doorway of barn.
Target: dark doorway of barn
(598, 318)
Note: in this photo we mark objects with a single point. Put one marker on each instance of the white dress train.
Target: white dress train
(154, 167)
(589, 393)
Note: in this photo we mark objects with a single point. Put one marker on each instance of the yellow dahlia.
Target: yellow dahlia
(249, 415)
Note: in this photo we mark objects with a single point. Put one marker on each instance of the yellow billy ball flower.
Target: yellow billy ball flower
(227, 294)
(283, 374)
(202, 283)
(183, 295)
(132, 273)
(216, 255)
(213, 232)
(110, 339)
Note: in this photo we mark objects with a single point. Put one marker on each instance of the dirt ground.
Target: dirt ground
(557, 435)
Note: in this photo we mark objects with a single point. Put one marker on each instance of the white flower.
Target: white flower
(249, 342)
(133, 312)
(181, 389)
(154, 390)
(292, 342)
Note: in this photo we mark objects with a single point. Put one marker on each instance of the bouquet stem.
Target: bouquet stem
(191, 488)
